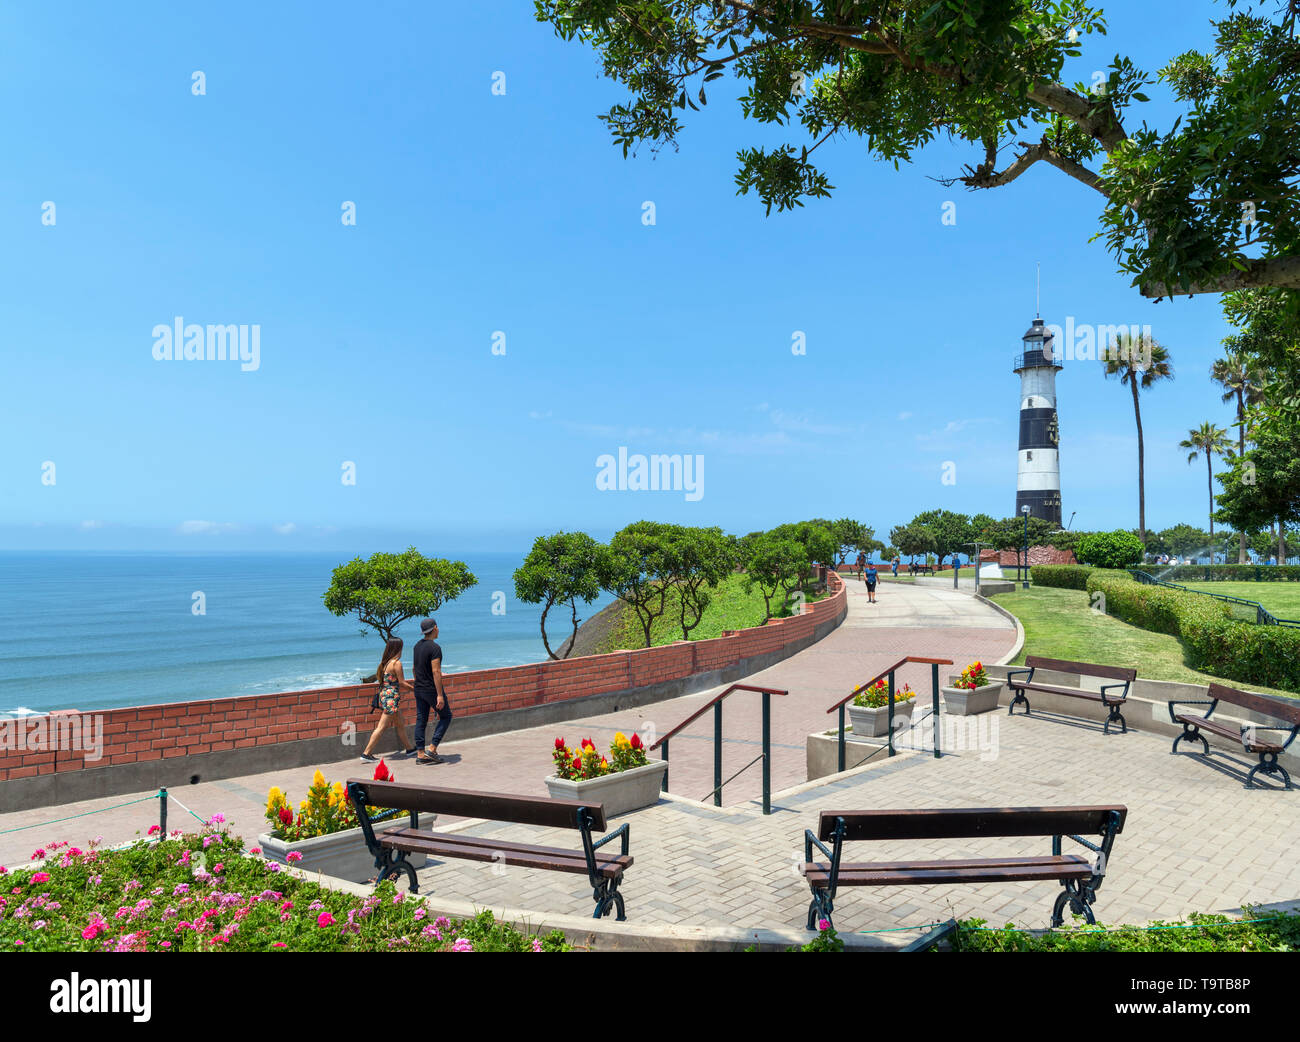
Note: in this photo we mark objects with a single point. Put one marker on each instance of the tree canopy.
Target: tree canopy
(560, 569)
(1208, 204)
(387, 589)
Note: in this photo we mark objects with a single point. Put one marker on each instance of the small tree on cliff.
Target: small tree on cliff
(560, 569)
(639, 568)
(388, 589)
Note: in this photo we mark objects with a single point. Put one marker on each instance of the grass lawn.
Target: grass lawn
(1061, 624)
(730, 608)
(1282, 599)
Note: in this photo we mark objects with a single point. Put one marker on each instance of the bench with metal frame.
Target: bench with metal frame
(1268, 751)
(1080, 877)
(1111, 702)
(391, 846)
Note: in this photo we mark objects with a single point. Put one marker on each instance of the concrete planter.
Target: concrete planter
(342, 855)
(872, 723)
(963, 701)
(617, 793)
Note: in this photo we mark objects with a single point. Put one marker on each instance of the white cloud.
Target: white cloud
(286, 529)
(904, 415)
(87, 526)
(204, 527)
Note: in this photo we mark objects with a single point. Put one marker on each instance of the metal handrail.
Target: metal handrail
(933, 663)
(884, 673)
(715, 704)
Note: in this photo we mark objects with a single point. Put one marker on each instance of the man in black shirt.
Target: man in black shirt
(430, 693)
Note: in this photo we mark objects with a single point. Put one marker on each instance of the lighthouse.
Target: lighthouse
(1038, 471)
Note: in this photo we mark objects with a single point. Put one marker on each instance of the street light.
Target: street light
(1024, 576)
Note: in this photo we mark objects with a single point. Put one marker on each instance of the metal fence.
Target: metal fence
(1239, 608)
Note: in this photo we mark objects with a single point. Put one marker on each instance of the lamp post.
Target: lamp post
(1024, 575)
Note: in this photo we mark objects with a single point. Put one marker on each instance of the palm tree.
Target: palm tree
(1139, 362)
(1234, 375)
(1211, 440)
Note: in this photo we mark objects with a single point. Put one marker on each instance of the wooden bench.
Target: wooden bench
(391, 846)
(1080, 877)
(1246, 734)
(920, 569)
(1111, 702)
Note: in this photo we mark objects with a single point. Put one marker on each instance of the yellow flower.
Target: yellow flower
(318, 780)
(620, 741)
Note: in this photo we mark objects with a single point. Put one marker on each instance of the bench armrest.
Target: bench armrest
(810, 840)
(1013, 672)
(623, 831)
(1107, 687)
(1249, 728)
(1178, 702)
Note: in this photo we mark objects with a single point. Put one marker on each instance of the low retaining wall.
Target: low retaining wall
(43, 759)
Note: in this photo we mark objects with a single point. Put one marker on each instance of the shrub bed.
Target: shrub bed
(1065, 576)
(1215, 644)
(204, 892)
(1201, 933)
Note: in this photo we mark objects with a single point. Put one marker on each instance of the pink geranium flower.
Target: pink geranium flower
(324, 919)
(293, 856)
(41, 877)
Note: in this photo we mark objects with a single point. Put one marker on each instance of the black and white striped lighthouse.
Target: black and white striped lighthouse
(1038, 474)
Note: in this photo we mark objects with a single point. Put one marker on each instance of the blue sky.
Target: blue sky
(479, 212)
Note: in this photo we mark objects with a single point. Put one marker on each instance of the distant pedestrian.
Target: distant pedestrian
(862, 562)
(871, 576)
(894, 565)
(430, 693)
(389, 701)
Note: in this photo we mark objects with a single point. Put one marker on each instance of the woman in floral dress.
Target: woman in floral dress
(391, 677)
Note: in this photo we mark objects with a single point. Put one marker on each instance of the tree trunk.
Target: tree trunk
(546, 643)
(573, 641)
(1209, 483)
(1142, 497)
(1281, 542)
(1241, 451)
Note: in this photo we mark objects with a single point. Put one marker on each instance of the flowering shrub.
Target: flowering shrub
(182, 893)
(587, 762)
(973, 676)
(877, 695)
(326, 809)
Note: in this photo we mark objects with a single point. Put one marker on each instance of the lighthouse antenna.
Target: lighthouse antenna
(1038, 291)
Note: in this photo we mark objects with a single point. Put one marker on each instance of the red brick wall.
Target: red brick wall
(188, 728)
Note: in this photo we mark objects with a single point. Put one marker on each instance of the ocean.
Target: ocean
(104, 630)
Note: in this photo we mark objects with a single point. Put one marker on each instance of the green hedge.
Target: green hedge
(1275, 932)
(1191, 573)
(1215, 644)
(1066, 576)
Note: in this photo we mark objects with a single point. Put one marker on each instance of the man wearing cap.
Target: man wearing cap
(430, 693)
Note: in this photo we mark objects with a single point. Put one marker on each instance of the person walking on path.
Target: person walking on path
(862, 562)
(894, 565)
(871, 575)
(389, 700)
(430, 693)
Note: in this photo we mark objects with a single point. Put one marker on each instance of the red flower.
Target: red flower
(286, 816)
(577, 763)
(636, 742)
(381, 772)
(559, 743)
(587, 743)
